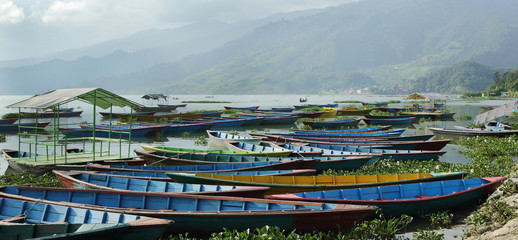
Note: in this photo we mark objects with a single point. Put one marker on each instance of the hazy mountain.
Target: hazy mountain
(362, 44)
(92, 66)
(389, 41)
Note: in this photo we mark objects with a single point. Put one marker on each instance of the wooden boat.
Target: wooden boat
(30, 163)
(489, 108)
(273, 153)
(206, 168)
(392, 154)
(217, 139)
(252, 108)
(496, 125)
(279, 136)
(126, 115)
(369, 116)
(160, 176)
(352, 112)
(130, 162)
(329, 113)
(228, 122)
(14, 127)
(318, 163)
(91, 180)
(352, 130)
(62, 230)
(337, 150)
(310, 114)
(431, 145)
(117, 131)
(293, 184)
(282, 119)
(163, 108)
(472, 132)
(174, 128)
(53, 114)
(284, 109)
(250, 147)
(332, 124)
(206, 214)
(391, 110)
(330, 105)
(8, 120)
(172, 105)
(410, 199)
(388, 121)
(34, 211)
(158, 118)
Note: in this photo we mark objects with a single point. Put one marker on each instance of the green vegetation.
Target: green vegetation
(206, 102)
(235, 111)
(20, 115)
(464, 118)
(379, 228)
(44, 180)
(441, 219)
(508, 82)
(455, 79)
(312, 109)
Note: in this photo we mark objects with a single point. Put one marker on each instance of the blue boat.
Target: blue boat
(277, 136)
(353, 130)
(389, 121)
(410, 199)
(332, 124)
(79, 179)
(203, 214)
(117, 131)
(280, 119)
(342, 133)
(228, 122)
(14, 127)
(37, 211)
(252, 108)
(392, 154)
(160, 176)
(298, 150)
(171, 128)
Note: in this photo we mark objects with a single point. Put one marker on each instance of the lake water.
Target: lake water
(462, 108)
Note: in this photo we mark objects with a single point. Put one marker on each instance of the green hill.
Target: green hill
(360, 44)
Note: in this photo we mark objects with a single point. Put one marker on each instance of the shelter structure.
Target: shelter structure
(97, 97)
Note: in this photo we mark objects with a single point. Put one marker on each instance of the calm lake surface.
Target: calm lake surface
(462, 108)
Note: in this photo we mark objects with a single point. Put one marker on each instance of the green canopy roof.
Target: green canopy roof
(97, 96)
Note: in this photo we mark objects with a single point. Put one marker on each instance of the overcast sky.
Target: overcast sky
(32, 28)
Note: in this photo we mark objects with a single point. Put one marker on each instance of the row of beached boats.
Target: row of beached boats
(246, 182)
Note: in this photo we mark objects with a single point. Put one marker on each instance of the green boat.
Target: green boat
(274, 153)
(318, 163)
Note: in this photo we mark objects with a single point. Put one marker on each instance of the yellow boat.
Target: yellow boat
(293, 184)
